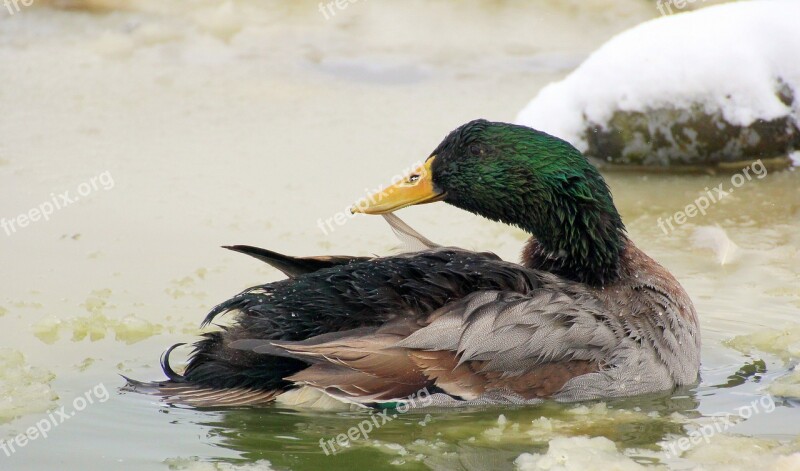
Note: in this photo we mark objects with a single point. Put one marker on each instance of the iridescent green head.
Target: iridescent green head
(529, 179)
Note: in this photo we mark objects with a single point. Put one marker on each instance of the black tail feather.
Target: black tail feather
(293, 266)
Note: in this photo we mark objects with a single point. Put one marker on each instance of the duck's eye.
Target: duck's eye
(475, 149)
(413, 178)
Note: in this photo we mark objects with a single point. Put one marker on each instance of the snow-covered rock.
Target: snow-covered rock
(717, 85)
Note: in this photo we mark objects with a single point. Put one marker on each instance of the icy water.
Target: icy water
(177, 127)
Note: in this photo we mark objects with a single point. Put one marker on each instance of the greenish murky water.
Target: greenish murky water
(179, 127)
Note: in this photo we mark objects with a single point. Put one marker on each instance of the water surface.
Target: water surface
(204, 124)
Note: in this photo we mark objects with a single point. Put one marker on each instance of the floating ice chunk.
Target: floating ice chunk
(47, 329)
(578, 454)
(24, 389)
(735, 453)
(194, 464)
(787, 386)
(784, 342)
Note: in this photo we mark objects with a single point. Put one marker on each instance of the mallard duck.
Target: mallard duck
(585, 315)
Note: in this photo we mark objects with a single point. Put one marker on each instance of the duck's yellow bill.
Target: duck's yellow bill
(414, 188)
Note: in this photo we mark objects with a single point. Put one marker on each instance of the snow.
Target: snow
(727, 58)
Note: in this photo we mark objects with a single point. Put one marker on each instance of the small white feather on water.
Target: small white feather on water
(716, 239)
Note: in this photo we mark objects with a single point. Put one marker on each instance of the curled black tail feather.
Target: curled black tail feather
(171, 374)
(235, 303)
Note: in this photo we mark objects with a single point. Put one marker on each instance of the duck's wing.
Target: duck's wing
(525, 345)
(488, 344)
(343, 301)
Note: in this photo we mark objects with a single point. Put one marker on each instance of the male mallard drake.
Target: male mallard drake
(585, 315)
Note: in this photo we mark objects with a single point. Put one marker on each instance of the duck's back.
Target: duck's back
(467, 326)
(356, 295)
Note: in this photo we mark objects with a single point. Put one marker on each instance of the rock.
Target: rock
(708, 88)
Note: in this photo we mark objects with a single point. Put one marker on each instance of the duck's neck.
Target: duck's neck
(576, 236)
